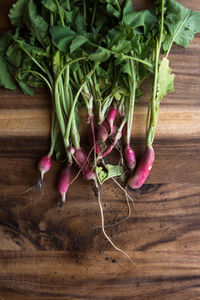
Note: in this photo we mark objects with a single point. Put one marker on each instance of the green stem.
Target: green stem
(63, 97)
(120, 109)
(73, 107)
(54, 132)
(84, 10)
(37, 74)
(75, 134)
(32, 58)
(104, 108)
(154, 107)
(144, 62)
(59, 109)
(60, 13)
(68, 5)
(94, 12)
(131, 102)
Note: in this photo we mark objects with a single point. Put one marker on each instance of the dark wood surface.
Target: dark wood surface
(62, 254)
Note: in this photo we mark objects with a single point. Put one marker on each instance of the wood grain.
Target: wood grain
(52, 253)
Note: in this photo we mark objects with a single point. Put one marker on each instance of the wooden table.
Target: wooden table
(53, 254)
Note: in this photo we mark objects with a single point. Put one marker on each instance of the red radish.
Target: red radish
(130, 158)
(44, 165)
(82, 160)
(106, 125)
(111, 147)
(88, 173)
(102, 133)
(63, 182)
(143, 169)
(111, 117)
(80, 157)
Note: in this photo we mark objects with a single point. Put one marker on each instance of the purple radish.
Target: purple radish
(142, 171)
(130, 158)
(44, 165)
(63, 182)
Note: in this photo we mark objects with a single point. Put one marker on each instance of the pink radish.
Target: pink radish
(130, 158)
(63, 182)
(82, 160)
(111, 117)
(106, 125)
(143, 169)
(117, 137)
(88, 173)
(44, 165)
(102, 133)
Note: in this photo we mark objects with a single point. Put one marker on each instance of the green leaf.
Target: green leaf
(35, 82)
(14, 55)
(112, 11)
(50, 5)
(17, 12)
(5, 78)
(128, 8)
(100, 55)
(5, 41)
(112, 7)
(35, 23)
(110, 171)
(79, 23)
(33, 50)
(62, 37)
(181, 23)
(165, 80)
(26, 89)
(140, 20)
(79, 41)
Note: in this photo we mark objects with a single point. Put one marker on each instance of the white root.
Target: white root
(103, 229)
(124, 190)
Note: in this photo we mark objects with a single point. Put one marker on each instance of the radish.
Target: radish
(106, 125)
(88, 173)
(117, 137)
(63, 182)
(83, 162)
(143, 169)
(130, 158)
(44, 165)
(102, 133)
(111, 117)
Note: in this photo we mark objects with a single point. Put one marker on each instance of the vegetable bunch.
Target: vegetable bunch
(95, 54)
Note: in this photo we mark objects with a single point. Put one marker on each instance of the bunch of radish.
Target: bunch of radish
(94, 56)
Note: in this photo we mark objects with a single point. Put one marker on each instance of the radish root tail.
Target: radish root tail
(103, 229)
